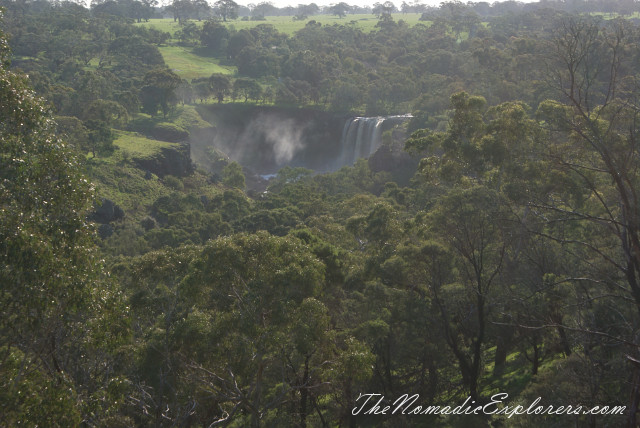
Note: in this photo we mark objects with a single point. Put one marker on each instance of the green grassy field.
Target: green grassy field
(286, 24)
(183, 116)
(137, 145)
(189, 65)
(614, 15)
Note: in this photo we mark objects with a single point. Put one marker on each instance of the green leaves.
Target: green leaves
(158, 90)
(233, 176)
(49, 272)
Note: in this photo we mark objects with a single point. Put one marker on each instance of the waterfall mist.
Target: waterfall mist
(265, 139)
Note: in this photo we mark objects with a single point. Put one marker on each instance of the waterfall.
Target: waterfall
(362, 136)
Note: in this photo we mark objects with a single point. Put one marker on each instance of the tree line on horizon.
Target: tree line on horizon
(231, 10)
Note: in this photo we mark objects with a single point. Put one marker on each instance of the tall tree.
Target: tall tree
(383, 10)
(340, 9)
(474, 223)
(48, 268)
(595, 135)
(227, 9)
(253, 284)
(247, 88)
(181, 10)
(220, 86)
(214, 35)
(158, 90)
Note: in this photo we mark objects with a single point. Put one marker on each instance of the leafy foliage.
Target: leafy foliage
(52, 291)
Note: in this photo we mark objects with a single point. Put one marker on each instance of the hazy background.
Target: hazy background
(398, 3)
(284, 3)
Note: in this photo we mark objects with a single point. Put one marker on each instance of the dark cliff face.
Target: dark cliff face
(174, 160)
(265, 139)
(392, 158)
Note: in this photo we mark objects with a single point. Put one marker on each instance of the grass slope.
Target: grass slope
(189, 64)
(185, 117)
(123, 183)
(118, 178)
(136, 145)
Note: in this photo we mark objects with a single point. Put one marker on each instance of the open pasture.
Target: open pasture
(286, 24)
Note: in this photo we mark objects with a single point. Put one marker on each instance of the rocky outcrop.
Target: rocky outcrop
(169, 132)
(265, 138)
(392, 158)
(175, 160)
(107, 211)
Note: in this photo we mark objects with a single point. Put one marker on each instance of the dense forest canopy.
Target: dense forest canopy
(490, 243)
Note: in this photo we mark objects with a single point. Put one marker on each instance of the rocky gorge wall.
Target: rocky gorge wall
(265, 139)
(174, 160)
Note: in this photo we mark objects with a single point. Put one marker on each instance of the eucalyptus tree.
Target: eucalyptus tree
(255, 289)
(226, 9)
(475, 224)
(340, 9)
(158, 90)
(214, 35)
(220, 85)
(593, 129)
(51, 291)
(382, 10)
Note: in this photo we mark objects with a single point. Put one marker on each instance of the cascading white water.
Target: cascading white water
(361, 137)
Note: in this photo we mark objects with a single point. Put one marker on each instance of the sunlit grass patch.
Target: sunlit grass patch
(182, 116)
(137, 145)
(287, 25)
(189, 65)
(512, 379)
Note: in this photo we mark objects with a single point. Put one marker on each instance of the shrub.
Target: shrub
(173, 182)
